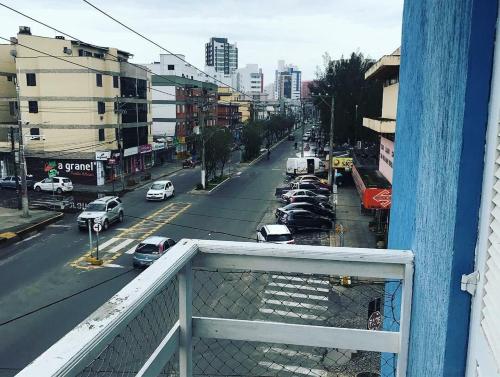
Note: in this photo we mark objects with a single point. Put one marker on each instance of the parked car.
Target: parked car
(56, 184)
(310, 199)
(311, 186)
(317, 208)
(274, 233)
(300, 219)
(160, 190)
(304, 165)
(10, 182)
(311, 177)
(150, 249)
(105, 211)
(287, 196)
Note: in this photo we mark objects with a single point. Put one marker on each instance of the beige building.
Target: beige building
(386, 70)
(227, 95)
(69, 94)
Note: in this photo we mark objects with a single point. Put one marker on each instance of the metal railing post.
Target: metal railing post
(185, 320)
(404, 327)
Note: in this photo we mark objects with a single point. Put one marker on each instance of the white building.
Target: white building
(171, 65)
(221, 55)
(288, 82)
(250, 80)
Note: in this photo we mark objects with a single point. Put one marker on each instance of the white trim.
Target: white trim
(185, 319)
(301, 335)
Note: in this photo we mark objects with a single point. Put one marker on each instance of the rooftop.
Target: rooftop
(386, 67)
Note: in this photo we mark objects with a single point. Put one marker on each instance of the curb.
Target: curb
(15, 236)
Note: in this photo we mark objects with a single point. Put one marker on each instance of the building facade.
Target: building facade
(250, 80)
(88, 113)
(221, 55)
(287, 82)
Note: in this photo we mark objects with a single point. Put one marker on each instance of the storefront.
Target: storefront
(137, 159)
(79, 171)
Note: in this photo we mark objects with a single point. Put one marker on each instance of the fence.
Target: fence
(214, 308)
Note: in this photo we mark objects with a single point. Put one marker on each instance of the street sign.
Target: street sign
(375, 321)
(97, 227)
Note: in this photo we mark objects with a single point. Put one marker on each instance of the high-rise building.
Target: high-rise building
(221, 55)
(287, 83)
(250, 80)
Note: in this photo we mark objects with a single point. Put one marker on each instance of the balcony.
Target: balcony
(380, 125)
(219, 308)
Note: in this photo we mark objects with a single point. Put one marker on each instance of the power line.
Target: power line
(165, 49)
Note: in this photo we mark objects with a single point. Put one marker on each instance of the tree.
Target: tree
(223, 141)
(251, 139)
(354, 96)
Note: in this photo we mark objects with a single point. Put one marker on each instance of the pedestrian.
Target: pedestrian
(295, 145)
(268, 153)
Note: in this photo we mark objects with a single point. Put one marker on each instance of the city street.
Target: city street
(50, 266)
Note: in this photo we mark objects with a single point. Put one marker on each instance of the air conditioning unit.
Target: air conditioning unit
(59, 37)
(67, 50)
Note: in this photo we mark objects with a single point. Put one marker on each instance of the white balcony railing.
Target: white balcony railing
(218, 308)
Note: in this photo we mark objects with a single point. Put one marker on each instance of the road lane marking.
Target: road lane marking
(108, 242)
(304, 280)
(294, 369)
(121, 245)
(292, 314)
(138, 232)
(131, 250)
(112, 265)
(294, 304)
(298, 286)
(297, 295)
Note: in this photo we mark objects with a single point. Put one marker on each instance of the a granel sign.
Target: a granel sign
(79, 171)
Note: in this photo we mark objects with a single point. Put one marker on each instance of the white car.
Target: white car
(160, 190)
(275, 233)
(56, 184)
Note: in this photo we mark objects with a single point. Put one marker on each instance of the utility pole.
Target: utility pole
(119, 112)
(330, 153)
(202, 127)
(18, 186)
(22, 162)
(302, 130)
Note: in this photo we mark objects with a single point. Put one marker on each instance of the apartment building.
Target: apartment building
(250, 80)
(221, 55)
(84, 108)
(287, 83)
(8, 108)
(387, 70)
(244, 103)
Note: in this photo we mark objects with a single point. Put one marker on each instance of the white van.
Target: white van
(304, 165)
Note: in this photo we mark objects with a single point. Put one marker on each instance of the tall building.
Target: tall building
(221, 55)
(250, 80)
(70, 114)
(287, 83)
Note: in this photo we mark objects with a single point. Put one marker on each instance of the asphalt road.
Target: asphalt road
(50, 266)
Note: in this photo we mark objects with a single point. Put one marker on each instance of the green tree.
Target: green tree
(251, 139)
(354, 96)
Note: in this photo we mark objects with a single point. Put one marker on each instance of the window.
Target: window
(33, 106)
(101, 107)
(98, 79)
(10, 78)
(30, 79)
(170, 67)
(112, 204)
(101, 134)
(13, 108)
(115, 82)
(34, 131)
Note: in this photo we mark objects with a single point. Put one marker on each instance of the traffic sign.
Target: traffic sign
(97, 227)
(375, 321)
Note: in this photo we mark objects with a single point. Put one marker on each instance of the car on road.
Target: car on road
(301, 219)
(288, 196)
(55, 184)
(105, 211)
(150, 249)
(11, 182)
(317, 208)
(160, 190)
(275, 233)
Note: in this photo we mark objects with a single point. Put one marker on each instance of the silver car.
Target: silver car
(150, 250)
(105, 211)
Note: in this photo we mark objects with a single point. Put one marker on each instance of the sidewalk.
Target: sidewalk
(156, 172)
(13, 226)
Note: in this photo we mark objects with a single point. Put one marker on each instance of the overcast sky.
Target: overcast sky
(298, 31)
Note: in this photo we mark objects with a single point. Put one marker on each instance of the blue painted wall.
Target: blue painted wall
(446, 56)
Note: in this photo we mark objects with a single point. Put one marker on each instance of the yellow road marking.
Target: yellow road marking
(82, 263)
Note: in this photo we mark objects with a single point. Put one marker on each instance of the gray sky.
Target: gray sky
(298, 31)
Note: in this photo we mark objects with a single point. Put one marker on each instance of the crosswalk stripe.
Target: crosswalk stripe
(298, 295)
(109, 242)
(295, 304)
(298, 286)
(131, 250)
(292, 314)
(121, 245)
(112, 265)
(294, 369)
(304, 280)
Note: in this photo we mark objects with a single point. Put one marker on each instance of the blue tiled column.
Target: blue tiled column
(445, 72)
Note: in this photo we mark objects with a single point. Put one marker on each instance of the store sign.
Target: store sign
(102, 156)
(386, 158)
(79, 171)
(146, 148)
(130, 151)
(158, 146)
(342, 163)
(377, 198)
(112, 161)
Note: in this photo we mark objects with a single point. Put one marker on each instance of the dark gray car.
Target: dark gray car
(10, 182)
